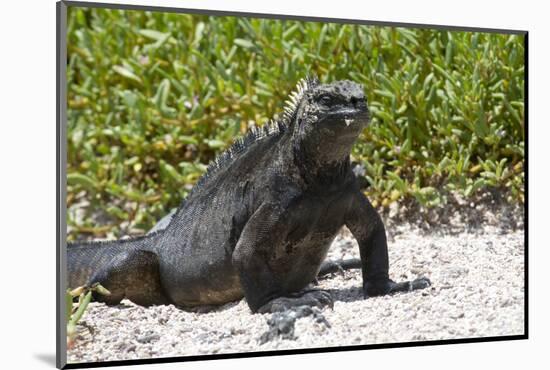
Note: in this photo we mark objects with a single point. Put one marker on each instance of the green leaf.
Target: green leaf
(125, 72)
(153, 34)
(247, 44)
(215, 144)
(81, 179)
(68, 306)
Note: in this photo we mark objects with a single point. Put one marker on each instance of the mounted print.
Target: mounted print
(234, 184)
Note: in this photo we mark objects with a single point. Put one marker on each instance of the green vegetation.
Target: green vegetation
(153, 97)
(74, 312)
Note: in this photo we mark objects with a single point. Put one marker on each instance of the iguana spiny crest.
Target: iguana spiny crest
(317, 113)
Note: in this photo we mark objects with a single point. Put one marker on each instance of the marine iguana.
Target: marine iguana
(260, 221)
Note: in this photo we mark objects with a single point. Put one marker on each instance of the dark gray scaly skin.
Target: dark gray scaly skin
(260, 221)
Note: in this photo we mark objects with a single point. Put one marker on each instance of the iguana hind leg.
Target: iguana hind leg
(334, 266)
(132, 274)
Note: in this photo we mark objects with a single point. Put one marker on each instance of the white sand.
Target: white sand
(477, 290)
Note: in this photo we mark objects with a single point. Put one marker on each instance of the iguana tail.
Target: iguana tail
(84, 259)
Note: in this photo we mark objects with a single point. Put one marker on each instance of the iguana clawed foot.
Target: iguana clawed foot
(388, 286)
(313, 298)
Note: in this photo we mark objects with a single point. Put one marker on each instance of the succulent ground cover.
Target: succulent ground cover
(153, 97)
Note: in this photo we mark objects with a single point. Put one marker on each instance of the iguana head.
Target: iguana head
(328, 118)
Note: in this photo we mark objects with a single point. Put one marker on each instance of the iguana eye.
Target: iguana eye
(325, 99)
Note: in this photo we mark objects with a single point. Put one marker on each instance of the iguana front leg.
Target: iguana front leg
(367, 227)
(264, 287)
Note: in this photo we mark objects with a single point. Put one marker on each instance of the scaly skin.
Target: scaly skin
(260, 222)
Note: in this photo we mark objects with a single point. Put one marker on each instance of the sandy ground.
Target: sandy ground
(477, 274)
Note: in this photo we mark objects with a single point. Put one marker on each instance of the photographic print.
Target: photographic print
(240, 184)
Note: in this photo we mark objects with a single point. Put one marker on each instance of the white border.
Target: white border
(27, 160)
